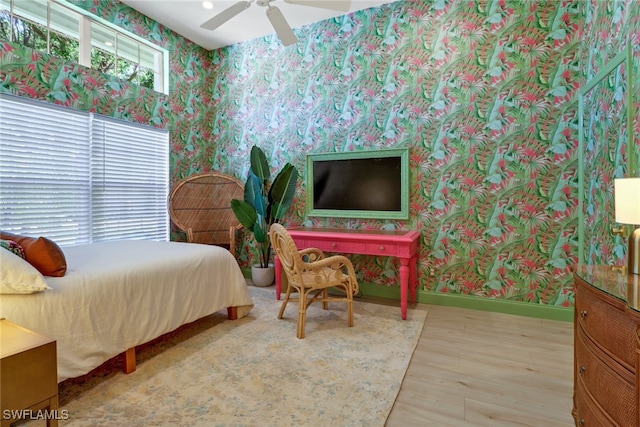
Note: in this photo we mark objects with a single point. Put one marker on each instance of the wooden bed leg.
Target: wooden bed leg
(232, 313)
(129, 361)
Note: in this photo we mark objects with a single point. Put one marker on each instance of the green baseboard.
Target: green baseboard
(465, 301)
(474, 303)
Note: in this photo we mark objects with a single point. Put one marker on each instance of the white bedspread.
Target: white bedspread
(116, 295)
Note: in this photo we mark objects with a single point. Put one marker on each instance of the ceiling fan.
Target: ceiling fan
(278, 21)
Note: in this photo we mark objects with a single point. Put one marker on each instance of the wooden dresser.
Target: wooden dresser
(607, 347)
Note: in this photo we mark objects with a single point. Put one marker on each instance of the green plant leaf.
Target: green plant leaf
(254, 194)
(259, 164)
(245, 213)
(282, 191)
(260, 230)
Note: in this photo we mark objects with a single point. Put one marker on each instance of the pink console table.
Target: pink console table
(400, 244)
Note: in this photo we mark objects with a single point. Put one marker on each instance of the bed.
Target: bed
(120, 294)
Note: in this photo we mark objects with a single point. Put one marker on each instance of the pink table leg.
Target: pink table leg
(404, 285)
(413, 276)
(277, 266)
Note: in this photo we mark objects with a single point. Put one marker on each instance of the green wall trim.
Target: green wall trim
(474, 303)
(465, 301)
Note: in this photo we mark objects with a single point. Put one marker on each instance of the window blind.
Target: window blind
(78, 177)
(129, 168)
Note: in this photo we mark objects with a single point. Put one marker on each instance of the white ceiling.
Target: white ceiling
(185, 17)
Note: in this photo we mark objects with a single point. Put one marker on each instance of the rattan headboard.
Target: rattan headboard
(200, 205)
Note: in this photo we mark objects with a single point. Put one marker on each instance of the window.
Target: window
(66, 31)
(78, 177)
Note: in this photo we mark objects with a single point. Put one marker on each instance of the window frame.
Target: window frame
(84, 37)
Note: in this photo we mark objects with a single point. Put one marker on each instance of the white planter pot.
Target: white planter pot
(262, 276)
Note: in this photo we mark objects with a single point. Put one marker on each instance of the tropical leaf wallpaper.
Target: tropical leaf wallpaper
(482, 92)
(606, 124)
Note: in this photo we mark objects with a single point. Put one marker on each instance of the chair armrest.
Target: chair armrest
(311, 254)
(335, 262)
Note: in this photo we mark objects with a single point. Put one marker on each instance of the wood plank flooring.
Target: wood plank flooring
(476, 368)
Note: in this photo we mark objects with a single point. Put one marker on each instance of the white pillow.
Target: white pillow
(17, 276)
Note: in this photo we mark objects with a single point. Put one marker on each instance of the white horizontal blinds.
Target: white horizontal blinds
(130, 176)
(44, 167)
(79, 178)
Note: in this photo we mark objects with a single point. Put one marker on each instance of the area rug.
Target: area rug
(255, 372)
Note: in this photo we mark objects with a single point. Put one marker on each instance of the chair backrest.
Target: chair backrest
(287, 252)
(200, 205)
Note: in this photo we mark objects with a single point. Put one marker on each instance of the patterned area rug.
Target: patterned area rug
(255, 372)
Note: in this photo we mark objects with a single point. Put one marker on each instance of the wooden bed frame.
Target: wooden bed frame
(129, 356)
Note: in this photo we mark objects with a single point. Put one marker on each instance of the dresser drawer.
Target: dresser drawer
(609, 326)
(615, 395)
(383, 249)
(586, 412)
(326, 245)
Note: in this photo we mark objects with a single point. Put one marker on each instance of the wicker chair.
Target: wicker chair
(201, 207)
(310, 274)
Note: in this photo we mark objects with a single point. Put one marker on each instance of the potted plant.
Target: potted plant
(264, 204)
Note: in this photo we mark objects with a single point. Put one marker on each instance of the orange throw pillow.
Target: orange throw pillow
(44, 254)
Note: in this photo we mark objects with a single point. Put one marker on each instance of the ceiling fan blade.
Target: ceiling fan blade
(342, 5)
(225, 15)
(280, 24)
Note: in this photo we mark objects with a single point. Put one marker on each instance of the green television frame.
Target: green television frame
(402, 213)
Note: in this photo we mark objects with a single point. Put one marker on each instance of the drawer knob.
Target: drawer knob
(333, 245)
(382, 248)
(583, 314)
(580, 422)
(582, 369)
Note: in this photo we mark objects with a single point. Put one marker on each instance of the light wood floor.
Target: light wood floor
(476, 368)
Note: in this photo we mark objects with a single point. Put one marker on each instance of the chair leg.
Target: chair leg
(284, 303)
(349, 306)
(325, 304)
(302, 311)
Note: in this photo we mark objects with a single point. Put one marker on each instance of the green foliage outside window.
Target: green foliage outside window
(35, 36)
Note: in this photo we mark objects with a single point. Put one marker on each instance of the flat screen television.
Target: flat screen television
(359, 184)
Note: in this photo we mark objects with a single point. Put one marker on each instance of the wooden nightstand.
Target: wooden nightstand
(28, 375)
